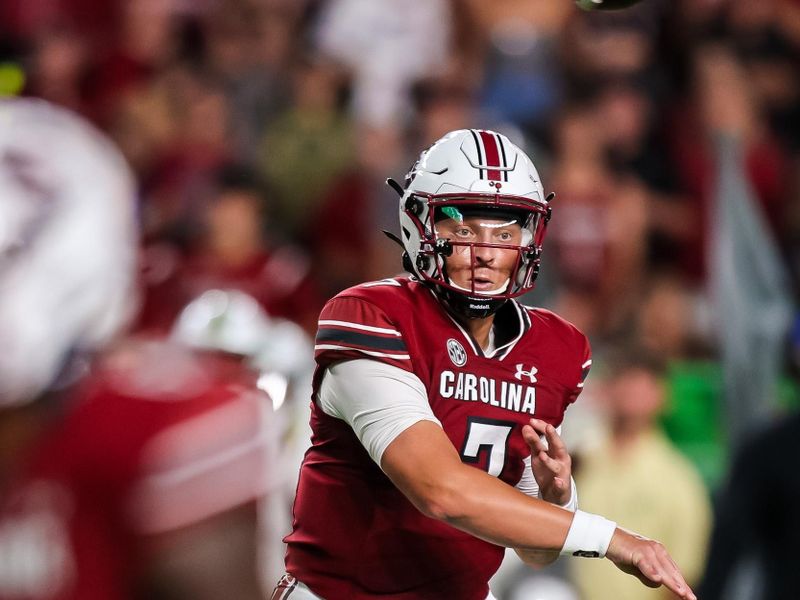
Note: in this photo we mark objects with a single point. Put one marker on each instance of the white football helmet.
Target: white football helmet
(233, 322)
(471, 170)
(67, 244)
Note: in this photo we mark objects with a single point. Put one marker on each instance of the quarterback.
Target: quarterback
(437, 401)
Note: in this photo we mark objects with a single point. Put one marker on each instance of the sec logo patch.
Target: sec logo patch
(456, 352)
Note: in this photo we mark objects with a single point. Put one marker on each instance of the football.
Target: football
(605, 4)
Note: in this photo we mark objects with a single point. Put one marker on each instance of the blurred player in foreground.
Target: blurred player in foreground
(128, 469)
(233, 323)
(436, 403)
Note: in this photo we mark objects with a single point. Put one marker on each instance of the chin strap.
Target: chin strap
(469, 307)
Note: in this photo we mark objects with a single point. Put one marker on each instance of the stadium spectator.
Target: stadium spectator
(233, 249)
(757, 518)
(637, 475)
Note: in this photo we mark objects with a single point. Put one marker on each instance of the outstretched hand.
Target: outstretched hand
(649, 561)
(550, 462)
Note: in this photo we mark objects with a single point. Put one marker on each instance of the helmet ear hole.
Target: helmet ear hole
(407, 265)
(443, 247)
(414, 205)
(423, 262)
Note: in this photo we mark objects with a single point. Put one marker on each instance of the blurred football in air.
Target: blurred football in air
(605, 4)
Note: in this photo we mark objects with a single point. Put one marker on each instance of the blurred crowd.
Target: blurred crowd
(261, 133)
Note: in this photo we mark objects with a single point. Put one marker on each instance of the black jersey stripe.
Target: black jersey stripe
(364, 340)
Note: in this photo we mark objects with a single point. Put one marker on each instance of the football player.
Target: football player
(232, 323)
(128, 468)
(436, 402)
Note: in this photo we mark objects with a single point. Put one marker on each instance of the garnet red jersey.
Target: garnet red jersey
(154, 440)
(355, 535)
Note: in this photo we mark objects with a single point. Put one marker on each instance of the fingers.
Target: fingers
(533, 440)
(658, 568)
(554, 441)
(649, 561)
(555, 466)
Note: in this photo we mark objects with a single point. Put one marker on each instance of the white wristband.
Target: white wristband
(588, 536)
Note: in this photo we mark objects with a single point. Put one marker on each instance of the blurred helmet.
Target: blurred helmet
(67, 244)
(233, 322)
(472, 172)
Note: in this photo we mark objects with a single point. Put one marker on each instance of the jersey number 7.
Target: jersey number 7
(487, 436)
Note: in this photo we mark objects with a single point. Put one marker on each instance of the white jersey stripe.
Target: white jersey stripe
(360, 327)
(381, 282)
(586, 364)
(368, 352)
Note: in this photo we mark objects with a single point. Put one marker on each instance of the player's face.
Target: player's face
(493, 266)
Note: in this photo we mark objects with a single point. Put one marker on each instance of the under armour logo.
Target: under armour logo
(529, 374)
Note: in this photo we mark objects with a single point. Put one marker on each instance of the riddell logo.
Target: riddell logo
(530, 374)
(479, 306)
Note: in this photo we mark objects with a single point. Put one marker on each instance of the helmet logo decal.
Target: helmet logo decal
(456, 352)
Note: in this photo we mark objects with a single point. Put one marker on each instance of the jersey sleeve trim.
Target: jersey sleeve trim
(359, 326)
(353, 327)
(362, 351)
(360, 340)
(585, 367)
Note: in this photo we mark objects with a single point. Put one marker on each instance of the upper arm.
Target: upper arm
(379, 401)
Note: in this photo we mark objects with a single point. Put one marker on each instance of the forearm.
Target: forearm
(490, 509)
(538, 559)
(423, 464)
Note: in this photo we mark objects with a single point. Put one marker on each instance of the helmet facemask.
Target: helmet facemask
(505, 230)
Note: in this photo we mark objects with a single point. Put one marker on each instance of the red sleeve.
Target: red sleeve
(351, 328)
(205, 464)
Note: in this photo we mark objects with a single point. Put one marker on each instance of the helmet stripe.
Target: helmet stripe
(480, 154)
(492, 155)
(503, 154)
